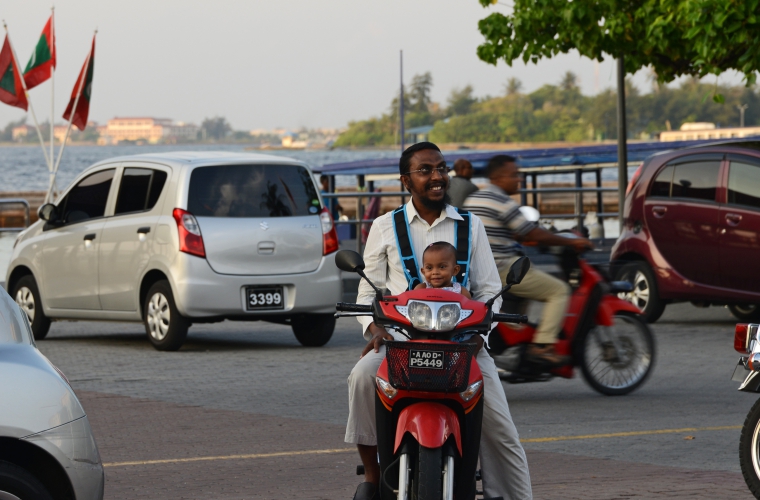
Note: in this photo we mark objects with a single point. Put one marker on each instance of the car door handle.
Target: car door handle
(733, 219)
(143, 230)
(89, 237)
(659, 212)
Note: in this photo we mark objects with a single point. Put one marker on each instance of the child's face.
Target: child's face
(439, 266)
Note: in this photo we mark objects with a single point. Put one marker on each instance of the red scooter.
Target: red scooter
(603, 335)
(429, 399)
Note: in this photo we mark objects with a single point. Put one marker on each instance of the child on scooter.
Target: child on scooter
(439, 265)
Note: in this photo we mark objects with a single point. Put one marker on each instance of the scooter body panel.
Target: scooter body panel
(430, 424)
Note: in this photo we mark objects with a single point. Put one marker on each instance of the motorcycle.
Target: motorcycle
(429, 398)
(747, 371)
(602, 334)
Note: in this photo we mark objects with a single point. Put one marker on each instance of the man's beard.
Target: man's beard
(435, 204)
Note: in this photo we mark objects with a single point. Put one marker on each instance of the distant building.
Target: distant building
(59, 131)
(704, 130)
(151, 130)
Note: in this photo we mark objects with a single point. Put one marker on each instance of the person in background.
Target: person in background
(335, 208)
(505, 227)
(460, 187)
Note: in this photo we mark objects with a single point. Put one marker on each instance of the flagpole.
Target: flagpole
(28, 99)
(73, 110)
(52, 94)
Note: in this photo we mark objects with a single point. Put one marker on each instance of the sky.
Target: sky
(267, 64)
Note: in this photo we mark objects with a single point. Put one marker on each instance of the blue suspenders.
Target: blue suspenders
(462, 231)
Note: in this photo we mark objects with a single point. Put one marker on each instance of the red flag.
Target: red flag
(11, 89)
(83, 91)
(42, 62)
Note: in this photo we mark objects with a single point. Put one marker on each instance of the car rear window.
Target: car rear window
(744, 184)
(252, 191)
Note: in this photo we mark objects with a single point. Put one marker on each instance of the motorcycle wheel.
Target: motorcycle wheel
(749, 450)
(619, 367)
(429, 474)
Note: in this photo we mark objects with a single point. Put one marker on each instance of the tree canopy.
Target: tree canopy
(675, 37)
(561, 113)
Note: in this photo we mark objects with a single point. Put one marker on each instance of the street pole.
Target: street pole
(401, 98)
(741, 113)
(622, 134)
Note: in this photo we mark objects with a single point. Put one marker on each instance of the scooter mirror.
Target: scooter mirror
(518, 270)
(349, 261)
(530, 213)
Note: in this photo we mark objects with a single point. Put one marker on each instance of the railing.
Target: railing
(16, 201)
(577, 213)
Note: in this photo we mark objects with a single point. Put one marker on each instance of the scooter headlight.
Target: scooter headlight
(448, 316)
(420, 315)
(471, 390)
(386, 388)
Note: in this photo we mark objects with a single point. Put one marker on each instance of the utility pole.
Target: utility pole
(622, 143)
(401, 98)
(741, 109)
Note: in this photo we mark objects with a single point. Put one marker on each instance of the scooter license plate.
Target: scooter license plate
(419, 358)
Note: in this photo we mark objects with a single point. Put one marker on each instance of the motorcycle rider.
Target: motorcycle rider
(430, 219)
(504, 225)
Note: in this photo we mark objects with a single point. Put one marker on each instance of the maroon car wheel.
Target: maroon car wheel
(745, 312)
(644, 294)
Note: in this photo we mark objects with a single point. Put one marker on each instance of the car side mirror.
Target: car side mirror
(517, 271)
(48, 212)
(349, 261)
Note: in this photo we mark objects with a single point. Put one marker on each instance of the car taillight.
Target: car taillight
(634, 179)
(329, 234)
(190, 238)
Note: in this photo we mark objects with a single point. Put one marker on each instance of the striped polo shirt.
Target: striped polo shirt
(502, 219)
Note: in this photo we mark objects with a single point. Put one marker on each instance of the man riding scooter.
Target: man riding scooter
(505, 226)
(395, 242)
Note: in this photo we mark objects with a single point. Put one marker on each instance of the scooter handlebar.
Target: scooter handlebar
(349, 307)
(510, 318)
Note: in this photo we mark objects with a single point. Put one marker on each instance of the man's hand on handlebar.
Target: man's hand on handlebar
(580, 244)
(379, 336)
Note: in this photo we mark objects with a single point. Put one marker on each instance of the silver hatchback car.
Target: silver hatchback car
(179, 238)
(47, 450)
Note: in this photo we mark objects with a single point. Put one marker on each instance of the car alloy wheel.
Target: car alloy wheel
(639, 296)
(158, 316)
(25, 300)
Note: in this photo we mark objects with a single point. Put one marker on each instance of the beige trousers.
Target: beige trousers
(543, 287)
(502, 458)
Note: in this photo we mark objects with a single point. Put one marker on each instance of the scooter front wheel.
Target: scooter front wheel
(749, 450)
(617, 359)
(429, 474)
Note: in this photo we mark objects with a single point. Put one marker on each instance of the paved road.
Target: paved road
(243, 407)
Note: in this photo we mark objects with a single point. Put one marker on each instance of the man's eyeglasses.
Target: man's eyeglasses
(427, 171)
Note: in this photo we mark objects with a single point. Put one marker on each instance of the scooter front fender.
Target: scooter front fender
(430, 424)
(609, 306)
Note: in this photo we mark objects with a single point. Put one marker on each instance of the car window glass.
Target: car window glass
(87, 199)
(252, 191)
(661, 185)
(139, 190)
(697, 180)
(744, 184)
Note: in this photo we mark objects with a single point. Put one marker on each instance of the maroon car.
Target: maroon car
(692, 230)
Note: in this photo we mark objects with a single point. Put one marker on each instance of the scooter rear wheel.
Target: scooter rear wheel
(616, 360)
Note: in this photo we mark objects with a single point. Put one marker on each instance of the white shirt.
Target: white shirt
(383, 263)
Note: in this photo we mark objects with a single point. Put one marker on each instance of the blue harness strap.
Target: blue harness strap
(405, 248)
(464, 246)
(462, 232)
